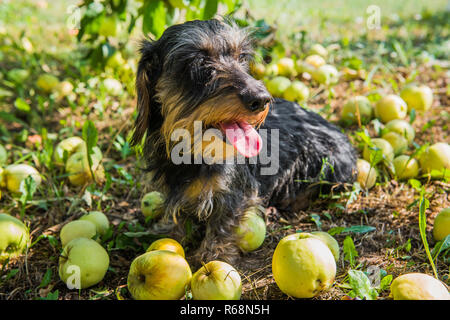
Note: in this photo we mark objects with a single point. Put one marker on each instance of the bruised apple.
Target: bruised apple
(152, 204)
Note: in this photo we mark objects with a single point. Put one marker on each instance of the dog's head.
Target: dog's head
(199, 71)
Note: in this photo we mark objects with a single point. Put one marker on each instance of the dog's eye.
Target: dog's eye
(243, 57)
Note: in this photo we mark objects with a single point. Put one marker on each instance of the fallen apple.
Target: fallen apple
(77, 229)
(109, 26)
(14, 174)
(18, 76)
(417, 97)
(65, 88)
(358, 106)
(70, 146)
(406, 167)
(258, 70)
(278, 85)
(216, 280)
(297, 91)
(436, 158)
(326, 74)
(14, 237)
(330, 241)
(272, 70)
(303, 266)
(77, 167)
(402, 127)
(397, 141)
(3, 155)
(152, 204)
(99, 219)
(441, 226)
(167, 244)
(418, 286)
(116, 60)
(251, 231)
(367, 175)
(390, 107)
(83, 263)
(315, 60)
(47, 82)
(318, 49)
(159, 275)
(380, 145)
(286, 67)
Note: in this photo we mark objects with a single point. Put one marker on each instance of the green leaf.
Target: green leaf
(154, 20)
(423, 206)
(441, 246)
(350, 252)
(210, 9)
(360, 284)
(22, 105)
(385, 282)
(46, 279)
(316, 219)
(354, 229)
(90, 135)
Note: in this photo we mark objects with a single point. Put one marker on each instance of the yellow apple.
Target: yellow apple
(77, 167)
(16, 173)
(116, 60)
(367, 175)
(441, 226)
(83, 263)
(167, 244)
(330, 241)
(383, 145)
(258, 70)
(326, 74)
(398, 142)
(47, 82)
(418, 286)
(406, 167)
(390, 107)
(14, 237)
(303, 266)
(99, 219)
(77, 229)
(435, 157)
(401, 127)
(318, 49)
(272, 70)
(278, 85)
(286, 67)
(315, 60)
(70, 145)
(251, 231)
(297, 91)
(109, 26)
(159, 275)
(216, 280)
(358, 105)
(152, 204)
(417, 97)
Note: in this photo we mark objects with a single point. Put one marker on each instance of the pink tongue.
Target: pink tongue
(243, 137)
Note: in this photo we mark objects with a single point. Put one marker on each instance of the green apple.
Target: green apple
(47, 82)
(216, 280)
(326, 74)
(14, 237)
(83, 263)
(303, 266)
(418, 286)
(381, 144)
(398, 142)
(258, 70)
(251, 230)
(315, 60)
(441, 226)
(390, 107)
(77, 229)
(159, 275)
(167, 244)
(112, 86)
(152, 204)
(297, 91)
(406, 167)
(278, 85)
(69, 145)
(18, 75)
(109, 26)
(286, 67)
(435, 157)
(14, 174)
(401, 127)
(330, 241)
(272, 70)
(99, 219)
(419, 98)
(182, 4)
(3, 155)
(367, 175)
(318, 49)
(77, 167)
(116, 60)
(358, 106)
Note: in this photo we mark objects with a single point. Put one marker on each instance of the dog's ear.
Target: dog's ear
(148, 72)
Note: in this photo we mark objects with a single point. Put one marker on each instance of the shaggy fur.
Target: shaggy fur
(198, 71)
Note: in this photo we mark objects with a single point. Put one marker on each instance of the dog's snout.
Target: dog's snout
(255, 102)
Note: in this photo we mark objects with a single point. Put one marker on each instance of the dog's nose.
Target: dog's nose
(255, 102)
